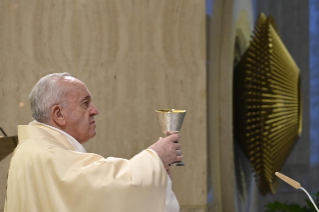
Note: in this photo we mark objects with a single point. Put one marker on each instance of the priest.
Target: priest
(50, 171)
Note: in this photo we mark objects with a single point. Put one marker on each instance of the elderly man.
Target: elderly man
(51, 171)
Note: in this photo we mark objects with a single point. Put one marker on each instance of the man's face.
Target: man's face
(80, 111)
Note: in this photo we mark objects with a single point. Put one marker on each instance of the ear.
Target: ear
(57, 115)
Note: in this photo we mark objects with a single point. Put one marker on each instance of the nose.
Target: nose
(94, 110)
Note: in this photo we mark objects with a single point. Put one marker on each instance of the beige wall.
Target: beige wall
(134, 55)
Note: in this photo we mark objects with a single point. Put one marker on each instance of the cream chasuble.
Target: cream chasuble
(46, 174)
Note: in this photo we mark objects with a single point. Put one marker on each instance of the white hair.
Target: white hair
(45, 94)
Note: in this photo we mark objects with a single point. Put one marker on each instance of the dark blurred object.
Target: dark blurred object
(7, 144)
(5, 134)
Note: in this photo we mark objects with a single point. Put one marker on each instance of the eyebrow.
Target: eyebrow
(86, 98)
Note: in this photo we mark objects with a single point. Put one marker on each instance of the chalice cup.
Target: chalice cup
(171, 121)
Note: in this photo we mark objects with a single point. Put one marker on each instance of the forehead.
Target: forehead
(75, 88)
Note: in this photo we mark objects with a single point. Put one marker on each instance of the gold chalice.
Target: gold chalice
(171, 121)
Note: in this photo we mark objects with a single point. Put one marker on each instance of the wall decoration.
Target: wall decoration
(266, 103)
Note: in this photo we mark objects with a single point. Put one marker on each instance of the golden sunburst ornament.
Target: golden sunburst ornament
(266, 103)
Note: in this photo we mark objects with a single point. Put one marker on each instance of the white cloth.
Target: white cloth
(171, 203)
(47, 174)
(77, 146)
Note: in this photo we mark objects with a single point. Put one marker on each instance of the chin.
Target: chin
(92, 135)
(83, 142)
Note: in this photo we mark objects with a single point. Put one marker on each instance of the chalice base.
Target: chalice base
(179, 163)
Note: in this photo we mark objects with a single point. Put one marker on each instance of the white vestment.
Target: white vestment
(47, 174)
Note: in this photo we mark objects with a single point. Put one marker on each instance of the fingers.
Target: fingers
(177, 146)
(173, 137)
(167, 149)
(179, 158)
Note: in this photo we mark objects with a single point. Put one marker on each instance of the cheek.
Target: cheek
(86, 122)
(79, 121)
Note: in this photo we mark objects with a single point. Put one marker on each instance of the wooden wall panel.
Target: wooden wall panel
(219, 78)
(134, 55)
(221, 158)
